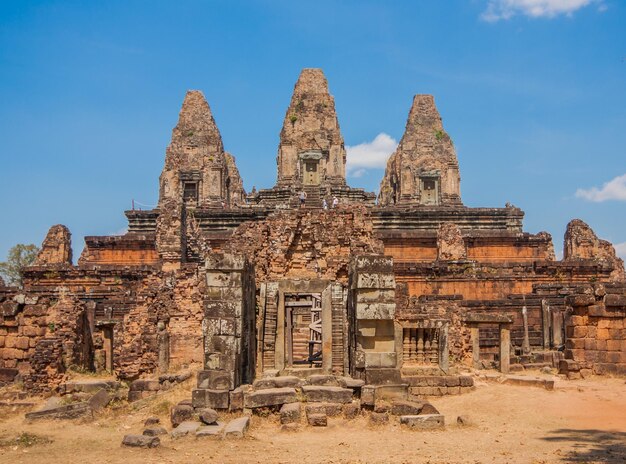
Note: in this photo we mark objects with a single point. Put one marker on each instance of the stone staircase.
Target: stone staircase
(313, 197)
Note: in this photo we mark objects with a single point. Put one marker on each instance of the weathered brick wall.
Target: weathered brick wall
(306, 244)
(596, 329)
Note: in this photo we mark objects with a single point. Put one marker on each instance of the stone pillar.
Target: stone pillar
(557, 328)
(475, 332)
(163, 341)
(526, 342)
(545, 317)
(444, 357)
(327, 331)
(279, 351)
(505, 348)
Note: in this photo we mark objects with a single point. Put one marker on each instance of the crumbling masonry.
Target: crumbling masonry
(394, 294)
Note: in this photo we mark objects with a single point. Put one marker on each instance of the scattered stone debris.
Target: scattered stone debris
(141, 441)
(423, 422)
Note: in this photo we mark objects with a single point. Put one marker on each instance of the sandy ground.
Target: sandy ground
(580, 421)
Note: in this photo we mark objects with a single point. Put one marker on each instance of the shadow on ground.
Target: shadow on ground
(591, 445)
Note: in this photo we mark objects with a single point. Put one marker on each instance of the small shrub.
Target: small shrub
(293, 118)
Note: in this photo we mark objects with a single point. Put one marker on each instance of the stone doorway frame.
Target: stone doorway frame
(323, 287)
(474, 321)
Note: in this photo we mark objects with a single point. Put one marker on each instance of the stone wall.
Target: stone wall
(306, 244)
(596, 329)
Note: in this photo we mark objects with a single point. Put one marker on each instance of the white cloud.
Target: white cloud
(369, 155)
(614, 189)
(506, 9)
(620, 249)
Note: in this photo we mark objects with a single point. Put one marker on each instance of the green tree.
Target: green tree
(20, 256)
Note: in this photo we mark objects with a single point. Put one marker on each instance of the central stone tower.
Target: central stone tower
(311, 150)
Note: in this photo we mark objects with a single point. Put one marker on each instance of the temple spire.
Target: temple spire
(424, 168)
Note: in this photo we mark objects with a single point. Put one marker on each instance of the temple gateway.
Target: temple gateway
(397, 293)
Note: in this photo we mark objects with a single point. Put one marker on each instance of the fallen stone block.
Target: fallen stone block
(406, 408)
(329, 409)
(152, 421)
(428, 408)
(269, 397)
(317, 420)
(211, 431)
(141, 441)
(423, 422)
(237, 428)
(321, 394)
(290, 413)
(180, 413)
(208, 416)
(185, 428)
(69, 411)
(100, 400)
(155, 431)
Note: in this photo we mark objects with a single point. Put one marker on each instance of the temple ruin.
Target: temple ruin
(390, 295)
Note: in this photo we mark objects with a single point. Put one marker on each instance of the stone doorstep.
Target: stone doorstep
(423, 422)
(269, 397)
(69, 411)
(288, 381)
(548, 384)
(211, 431)
(323, 394)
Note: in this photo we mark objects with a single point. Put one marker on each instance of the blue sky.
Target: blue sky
(533, 93)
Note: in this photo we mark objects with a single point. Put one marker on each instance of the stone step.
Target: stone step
(325, 394)
(302, 373)
(269, 397)
(290, 381)
(519, 380)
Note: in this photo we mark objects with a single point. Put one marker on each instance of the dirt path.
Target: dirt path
(581, 421)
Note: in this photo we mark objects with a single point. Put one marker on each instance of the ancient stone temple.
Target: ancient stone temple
(398, 296)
